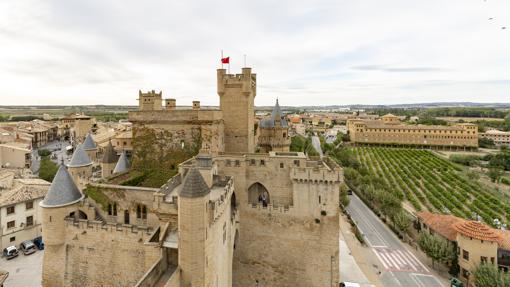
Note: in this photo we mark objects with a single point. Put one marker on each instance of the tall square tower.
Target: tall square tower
(237, 95)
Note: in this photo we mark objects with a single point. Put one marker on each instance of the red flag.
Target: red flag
(225, 60)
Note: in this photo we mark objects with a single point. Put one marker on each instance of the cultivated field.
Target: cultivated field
(431, 183)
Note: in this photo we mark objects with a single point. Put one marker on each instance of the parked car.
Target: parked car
(349, 192)
(38, 241)
(28, 247)
(10, 252)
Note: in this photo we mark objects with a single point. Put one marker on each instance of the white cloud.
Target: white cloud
(305, 52)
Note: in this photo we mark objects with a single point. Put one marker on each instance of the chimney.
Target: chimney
(196, 105)
(170, 104)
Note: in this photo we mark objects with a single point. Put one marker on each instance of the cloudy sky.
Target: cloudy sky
(304, 52)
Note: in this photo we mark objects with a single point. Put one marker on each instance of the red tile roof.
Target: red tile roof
(441, 223)
(448, 226)
(476, 230)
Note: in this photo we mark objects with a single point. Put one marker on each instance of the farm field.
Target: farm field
(429, 182)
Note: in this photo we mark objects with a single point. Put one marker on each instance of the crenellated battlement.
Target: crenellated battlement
(220, 196)
(270, 209)
(246, 81)
(99, 226)
(312, 174)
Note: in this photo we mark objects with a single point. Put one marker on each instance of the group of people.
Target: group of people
(263, 199)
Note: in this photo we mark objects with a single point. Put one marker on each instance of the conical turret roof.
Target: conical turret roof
(277, 111)
(123, 164)
(89, 143)
(80, 158)
(110, 156)
(63, 191)
(276, 117)
(194, 185)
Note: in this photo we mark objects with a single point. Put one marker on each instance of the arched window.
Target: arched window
(144, 212)
(138, 212)
(115, 209)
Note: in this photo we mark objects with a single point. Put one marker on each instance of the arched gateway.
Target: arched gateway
(256, 192)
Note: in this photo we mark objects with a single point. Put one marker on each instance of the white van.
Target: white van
(349, 284)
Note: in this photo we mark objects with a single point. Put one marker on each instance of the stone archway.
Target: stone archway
(255, 191)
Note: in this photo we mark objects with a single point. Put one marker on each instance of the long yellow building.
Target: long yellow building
(389, 130)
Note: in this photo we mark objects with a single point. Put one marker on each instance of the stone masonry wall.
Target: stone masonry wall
(283, 250)
(106, 255)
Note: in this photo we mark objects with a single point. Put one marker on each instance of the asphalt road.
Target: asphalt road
(401, 267)
(316, 142)
(23, 270)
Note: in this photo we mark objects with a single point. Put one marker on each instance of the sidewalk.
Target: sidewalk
(354, 266)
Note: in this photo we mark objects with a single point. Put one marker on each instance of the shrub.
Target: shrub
(43, 152)
(47, 169)
(469, 160)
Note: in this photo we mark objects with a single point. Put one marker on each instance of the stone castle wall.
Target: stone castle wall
(278, 249)
(106, 255)
(185, 125)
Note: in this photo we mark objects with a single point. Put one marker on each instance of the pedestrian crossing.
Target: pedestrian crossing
(399, 260)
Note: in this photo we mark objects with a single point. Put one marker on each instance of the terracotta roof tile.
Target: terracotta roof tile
(477, 230)
(441, 223)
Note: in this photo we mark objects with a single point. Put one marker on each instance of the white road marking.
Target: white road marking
(380, 259)
(410, 262)
(419, 262)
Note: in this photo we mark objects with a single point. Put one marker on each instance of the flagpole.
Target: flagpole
(245, 60)
(222, 59)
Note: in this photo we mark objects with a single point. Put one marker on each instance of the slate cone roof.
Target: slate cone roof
(89, 143)
(194, 185)
(110, 156)
(276, 115)
(80, 158)
(123, 164)
(63, 191)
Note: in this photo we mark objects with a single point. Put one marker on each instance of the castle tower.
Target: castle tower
(150, 101)
(90, 147)
(123, 164)
(80, 166)
(193, 222)
(237, 95)
(109, 161)
(61, 200)
(274, 132)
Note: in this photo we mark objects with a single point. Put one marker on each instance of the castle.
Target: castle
(229, 217)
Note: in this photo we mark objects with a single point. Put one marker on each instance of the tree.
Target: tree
(495, 174)
(486, 143)
(436, 248)
(47, 169)
(43, 152)
(401, 221)
(488, 275)
(388, 203)
(344, 197)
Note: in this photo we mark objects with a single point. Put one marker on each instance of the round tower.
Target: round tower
(109, 161)
(90, 147)
(62, 199)
(193, 222)
(80, 166)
